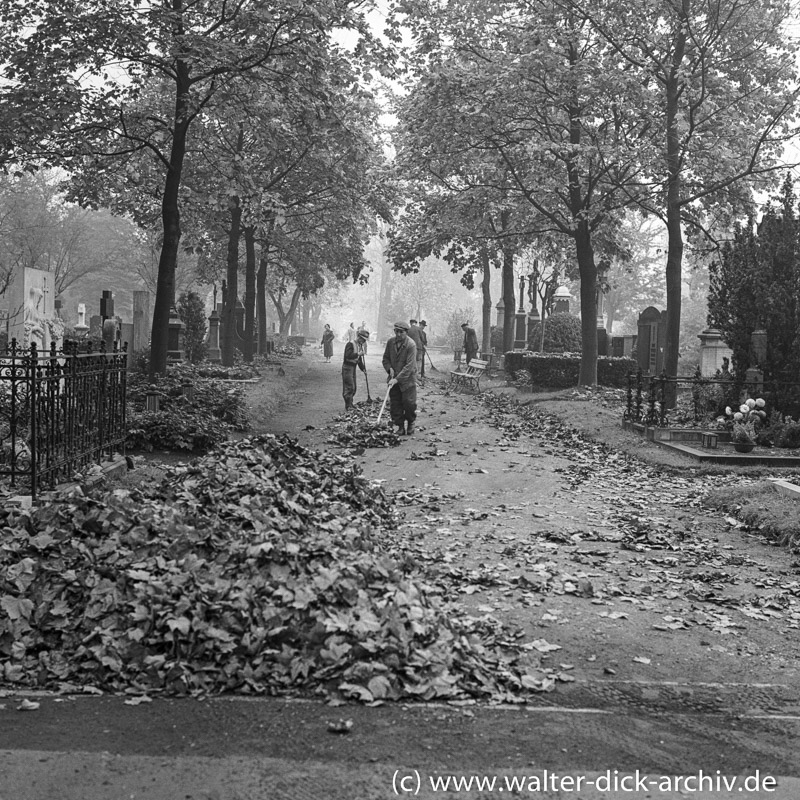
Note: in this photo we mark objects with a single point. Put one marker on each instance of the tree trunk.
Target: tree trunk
(385, 298)
(486, 288)
(228, 326)
(588, 275)
(306, 317)
(288, 318)
(249, 293)
(509, 299)
(674, 232)
(261, 298)
(171, 222)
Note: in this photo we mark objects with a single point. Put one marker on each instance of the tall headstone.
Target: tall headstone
(107, 305)
(650, 341)
(142, 322)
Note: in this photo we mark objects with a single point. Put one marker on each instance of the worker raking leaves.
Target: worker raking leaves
(400, 363)
(354, 353)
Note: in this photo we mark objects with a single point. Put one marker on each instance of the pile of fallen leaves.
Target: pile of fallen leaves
(259, 568)
(357, 429)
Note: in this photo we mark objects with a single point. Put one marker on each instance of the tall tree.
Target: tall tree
(81, 105)
(722, 85)
(532, 86)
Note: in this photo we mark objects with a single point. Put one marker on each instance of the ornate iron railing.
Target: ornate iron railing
(60, 411)
(647, 395)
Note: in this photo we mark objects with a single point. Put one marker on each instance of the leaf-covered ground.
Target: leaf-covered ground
(263, 567)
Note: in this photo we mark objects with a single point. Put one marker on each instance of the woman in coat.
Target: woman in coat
(327, 343)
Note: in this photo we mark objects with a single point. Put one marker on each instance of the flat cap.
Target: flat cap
(401, 325)
(363, 334)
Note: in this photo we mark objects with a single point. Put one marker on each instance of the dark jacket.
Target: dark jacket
(402, 360)
(354, 356)
(470, 341)
(415, 333)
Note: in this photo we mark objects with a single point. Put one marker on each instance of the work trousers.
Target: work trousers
(403, 404)
(348, 385)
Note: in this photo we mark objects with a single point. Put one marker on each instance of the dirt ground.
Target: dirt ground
(694, 598)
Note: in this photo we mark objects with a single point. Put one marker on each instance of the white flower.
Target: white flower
(760, 402)
(751, 403)
(728, 410)
(738, 416)
(744, 408)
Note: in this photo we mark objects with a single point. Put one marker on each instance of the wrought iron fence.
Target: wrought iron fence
(60, 411)
(647, 396)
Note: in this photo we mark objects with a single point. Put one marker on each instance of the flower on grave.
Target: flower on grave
(747, 420)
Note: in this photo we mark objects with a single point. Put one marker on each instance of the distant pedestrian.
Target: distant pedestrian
(327, 343)
(414, 334)
(363, 327)
(422, 350)
(400, 362)
(352, 333)
(470, 342)
(354, 353)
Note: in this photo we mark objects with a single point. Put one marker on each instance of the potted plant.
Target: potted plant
(746, 422)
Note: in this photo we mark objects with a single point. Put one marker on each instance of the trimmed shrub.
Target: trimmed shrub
(560, 371)
(562, 334)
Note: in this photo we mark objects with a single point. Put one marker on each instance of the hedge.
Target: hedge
(561, 370)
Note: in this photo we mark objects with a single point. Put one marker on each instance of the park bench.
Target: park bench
(471, 377)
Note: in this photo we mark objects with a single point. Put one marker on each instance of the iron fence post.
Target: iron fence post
(32, 394)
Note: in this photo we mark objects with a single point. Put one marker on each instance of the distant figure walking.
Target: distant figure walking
(362, 328)
(470, 342)
(415, 333)
(327, 343)
(422, 350)
(352, 333)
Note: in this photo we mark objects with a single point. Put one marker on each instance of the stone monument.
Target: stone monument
(31, 315)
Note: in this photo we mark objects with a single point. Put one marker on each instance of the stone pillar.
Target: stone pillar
(561, 300)
(520, 327)
(213, 351)
(758, 346)
(175, 336)
(126, 335)
(712, 352)
(501, 313)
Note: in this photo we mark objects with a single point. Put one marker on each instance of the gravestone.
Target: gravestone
(650, 340)
(81, 328)
(31, 314)
(622, 346)
(142, 322)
